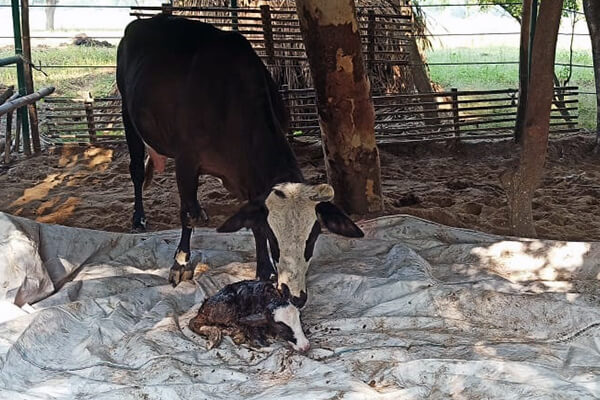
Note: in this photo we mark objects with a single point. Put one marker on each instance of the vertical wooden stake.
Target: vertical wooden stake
(28, 74)
(8, 138)
(89, 115)
(18, 125)
(371, 40)
(285, 94)
(234, 14)
(265, 14)
(167, 9)
(455, 113)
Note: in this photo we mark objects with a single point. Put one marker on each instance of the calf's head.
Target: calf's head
(281, 319)
(289, 220)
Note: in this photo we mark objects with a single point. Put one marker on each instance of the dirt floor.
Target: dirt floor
(458, 186)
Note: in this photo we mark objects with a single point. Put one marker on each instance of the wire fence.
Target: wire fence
(44, 64)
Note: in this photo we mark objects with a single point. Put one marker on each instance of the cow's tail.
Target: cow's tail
(148, 172)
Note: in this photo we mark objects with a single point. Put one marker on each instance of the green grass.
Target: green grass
(470, 77)
(70, 82)
(76, 81)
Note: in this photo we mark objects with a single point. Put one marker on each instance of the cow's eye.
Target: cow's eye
(279, 193)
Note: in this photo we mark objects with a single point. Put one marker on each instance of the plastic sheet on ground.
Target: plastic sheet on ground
(414, 310)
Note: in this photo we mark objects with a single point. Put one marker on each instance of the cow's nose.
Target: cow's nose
(302, 347)
(300, 301)
(305, 348)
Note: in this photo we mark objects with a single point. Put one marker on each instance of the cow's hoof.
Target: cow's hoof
(180, 273)
(138, 229)
(203, 215)
(139, 226)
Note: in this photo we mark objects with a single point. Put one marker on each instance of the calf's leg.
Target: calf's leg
(191, 215)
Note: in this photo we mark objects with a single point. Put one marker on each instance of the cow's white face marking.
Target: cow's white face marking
(290, 316)
(181, 257)
(291, 217)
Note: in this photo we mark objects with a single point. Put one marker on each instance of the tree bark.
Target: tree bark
(50, 10)
(523, 69)
(591, 9)
(346, 113)
(521, 182)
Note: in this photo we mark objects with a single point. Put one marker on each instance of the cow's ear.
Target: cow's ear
(336, 221)
(250, 215)
(254, 320)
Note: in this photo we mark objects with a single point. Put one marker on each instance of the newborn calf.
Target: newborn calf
(250, 311)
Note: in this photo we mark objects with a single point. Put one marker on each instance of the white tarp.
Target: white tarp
(414, 310)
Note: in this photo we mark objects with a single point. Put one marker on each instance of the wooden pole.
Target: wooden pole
(28, 75)
(18, 120)
(371, 40)
(8, 138)
(234, 14)
(455, 114)
(9, 115)
(20, 74)
(7, 94)
(89, 115)
(265, 14)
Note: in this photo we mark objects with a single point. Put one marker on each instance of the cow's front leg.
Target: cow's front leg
(265, 270)
(191, 214)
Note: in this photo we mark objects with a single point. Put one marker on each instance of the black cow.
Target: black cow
(203, 97)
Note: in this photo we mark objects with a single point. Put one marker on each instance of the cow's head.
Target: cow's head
(289, 217)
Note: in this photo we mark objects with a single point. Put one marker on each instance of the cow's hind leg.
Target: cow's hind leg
(192, 214)
(136, 169)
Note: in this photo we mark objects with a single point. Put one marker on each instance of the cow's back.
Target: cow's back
(195, 91)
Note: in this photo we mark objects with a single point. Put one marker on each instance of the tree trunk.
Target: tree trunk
(592, 16)
(346, 113)
(50, 10)
(523, 69)
(422, 81)
(521, 182)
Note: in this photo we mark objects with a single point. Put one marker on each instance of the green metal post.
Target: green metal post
(234, 15)
(534, 12)
(20, 75)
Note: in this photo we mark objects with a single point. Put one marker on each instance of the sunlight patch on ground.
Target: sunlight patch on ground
(62, 212)
(39, 191)
(535, 259)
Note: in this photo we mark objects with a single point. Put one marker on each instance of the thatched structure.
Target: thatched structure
(385, 77)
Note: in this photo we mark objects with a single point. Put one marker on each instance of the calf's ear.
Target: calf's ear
(336, 221)
(254, 320)
(249, 216)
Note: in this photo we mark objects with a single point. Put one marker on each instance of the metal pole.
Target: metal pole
(534, 12)
(10, 60)
(20, 74)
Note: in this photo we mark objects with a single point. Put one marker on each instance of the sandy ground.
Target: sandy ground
(90, 187)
